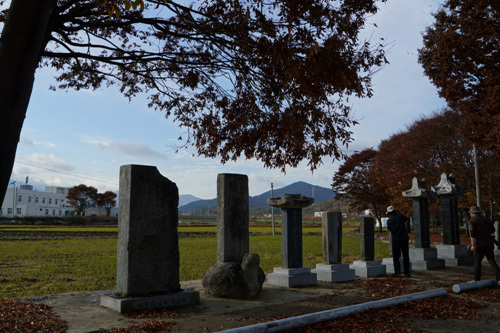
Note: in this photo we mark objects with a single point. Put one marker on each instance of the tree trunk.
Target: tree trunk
(21, 43)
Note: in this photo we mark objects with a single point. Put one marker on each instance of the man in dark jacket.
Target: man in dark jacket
(396, 224)
(482, 244)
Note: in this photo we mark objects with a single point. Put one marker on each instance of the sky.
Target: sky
(83, 137)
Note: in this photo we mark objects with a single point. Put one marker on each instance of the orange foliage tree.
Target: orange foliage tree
(460, 55)
(269, 80)
(357, 180)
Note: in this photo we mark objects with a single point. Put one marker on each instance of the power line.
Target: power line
(53, 169)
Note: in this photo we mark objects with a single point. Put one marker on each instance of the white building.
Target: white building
(24, 201)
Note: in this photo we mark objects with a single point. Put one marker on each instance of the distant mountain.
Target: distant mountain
(185, 199)
(320, 194)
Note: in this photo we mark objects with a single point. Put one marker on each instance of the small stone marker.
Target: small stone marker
(291, 273)
(333, 270)
(237, 273)
(368, 266)
(148, 250)
(451, 251)
(422, 256)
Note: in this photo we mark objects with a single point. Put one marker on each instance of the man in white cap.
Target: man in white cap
(396, 224)
(482, 242)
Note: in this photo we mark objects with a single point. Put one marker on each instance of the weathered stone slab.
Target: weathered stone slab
(448, 191)
(148, 251)
(367, 234)
(420, 195)
(331, 230)
(232, 217)
(291, 238)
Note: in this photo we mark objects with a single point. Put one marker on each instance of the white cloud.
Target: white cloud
(134, 149)
(51, 161)
(25, 141)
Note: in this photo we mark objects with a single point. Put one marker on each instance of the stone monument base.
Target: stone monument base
(334, 273)
(368, 268)
(454, 255)
(292, 277)
(131, 304)
(425, 259)
(497, 255)
(389, 265)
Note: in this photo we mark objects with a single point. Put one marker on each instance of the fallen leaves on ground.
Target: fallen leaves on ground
(490, 295)
(18, 316)
(398, 318)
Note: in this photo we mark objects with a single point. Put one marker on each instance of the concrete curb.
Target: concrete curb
(313, 318)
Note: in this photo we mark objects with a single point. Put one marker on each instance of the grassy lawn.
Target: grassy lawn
(40, 267)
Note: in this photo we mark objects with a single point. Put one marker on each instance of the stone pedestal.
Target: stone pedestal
(389, 265)
(291, 277)
(132, 304)
(333, 270)
(425, 259)
(334, 273)
(368, 268)
(291, 273)
(454, 255)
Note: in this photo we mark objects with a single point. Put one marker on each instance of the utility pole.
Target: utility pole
(478, 179)
(272, 209)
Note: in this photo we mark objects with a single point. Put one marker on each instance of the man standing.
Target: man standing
(396, 224)
(481, 230)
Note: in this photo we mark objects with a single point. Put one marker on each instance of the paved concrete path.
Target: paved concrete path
(83, 313)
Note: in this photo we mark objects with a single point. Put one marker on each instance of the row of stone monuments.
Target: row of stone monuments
(148, 251)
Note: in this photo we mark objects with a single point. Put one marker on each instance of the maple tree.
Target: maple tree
(82, 197)
(269, 80)
(460, 55)
(430, 146)
(107, 200)
(356, 179)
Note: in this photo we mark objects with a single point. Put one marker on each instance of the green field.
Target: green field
(70, 262)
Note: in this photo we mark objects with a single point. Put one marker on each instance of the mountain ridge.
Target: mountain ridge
(319, 193)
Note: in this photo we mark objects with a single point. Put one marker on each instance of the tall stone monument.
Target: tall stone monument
(237, 273)
(422, 256)
(451, 251)
(148, 250)
(233, 216)
(333, 270)
(368, 266)
(291, 273)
